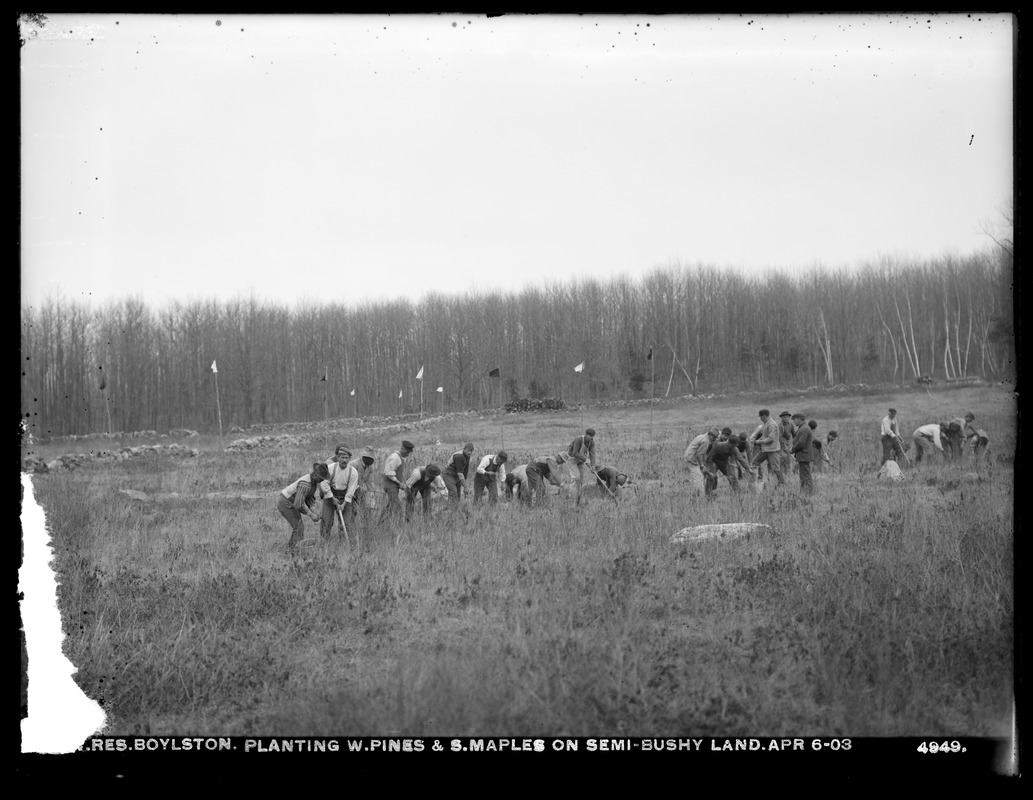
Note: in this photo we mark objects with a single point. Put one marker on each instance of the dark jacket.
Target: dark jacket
(802, 443)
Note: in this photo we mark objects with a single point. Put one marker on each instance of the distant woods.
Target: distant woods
(133, 367)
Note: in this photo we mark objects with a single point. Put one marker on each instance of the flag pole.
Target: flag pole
(218, 405)
(580, 370)
(326, 409)
(421, 395)
(104, 391)
(652, 390)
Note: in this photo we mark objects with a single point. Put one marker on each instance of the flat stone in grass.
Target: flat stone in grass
(726, 531)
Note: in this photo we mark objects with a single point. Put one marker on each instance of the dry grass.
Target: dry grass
(874, 610)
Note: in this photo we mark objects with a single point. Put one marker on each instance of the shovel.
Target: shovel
(344, 528)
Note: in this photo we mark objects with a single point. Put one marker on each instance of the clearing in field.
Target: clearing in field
(873, 608)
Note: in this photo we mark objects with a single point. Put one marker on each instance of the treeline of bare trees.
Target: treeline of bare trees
(126, 366)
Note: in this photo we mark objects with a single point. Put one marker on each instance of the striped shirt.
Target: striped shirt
(302, 493)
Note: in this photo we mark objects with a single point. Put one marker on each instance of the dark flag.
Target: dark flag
(103, 382)
(323, 379)
(495, 373)
(650, 356)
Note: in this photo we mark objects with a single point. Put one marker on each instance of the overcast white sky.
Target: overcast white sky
(349, 157)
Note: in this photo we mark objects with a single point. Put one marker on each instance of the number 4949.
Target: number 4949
(941, 747)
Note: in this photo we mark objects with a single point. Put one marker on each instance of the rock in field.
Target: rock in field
(728, 530)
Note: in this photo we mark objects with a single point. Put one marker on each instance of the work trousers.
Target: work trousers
(729, 470)
(578, 475)
(955, 445)
(394, 505)
(891, 449)
(533, 485)
(489, 482)
(773, 459)
(455, 488)
(924, 446)
(294, 517)
(410, 501)
(806, 484)
(328, 514)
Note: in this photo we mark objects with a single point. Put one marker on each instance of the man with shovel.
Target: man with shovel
(344, 480)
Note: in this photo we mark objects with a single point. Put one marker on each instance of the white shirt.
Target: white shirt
(486, 462)
(889, 426)
(697, 447)
(933, 430)
(343, 478)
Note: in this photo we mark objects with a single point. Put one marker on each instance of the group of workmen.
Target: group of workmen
(774, 447)
(948, 437)
(340, 489)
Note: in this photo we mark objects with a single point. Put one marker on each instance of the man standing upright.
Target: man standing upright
(770, 441)
(395, 475)
(580, 452)
(891, 449)
(803, 452)
(456, 472)
(363, 497)
(787, 431)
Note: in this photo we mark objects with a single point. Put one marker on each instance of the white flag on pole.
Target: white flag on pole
(419, 375)
(441, 388)
(399, 394)
(214, 368)
(353, 393)
(580, 367)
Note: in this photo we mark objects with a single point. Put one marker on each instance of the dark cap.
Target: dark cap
(726, 431)
(342, 452)
(764, 413)
(468, 446)
(797, 415)
(786, 414)
(431, 471)
(833, 434)
(502, 455)
(714, 432)
(893, 411)
(320, 471)
(407, 445)
(589, 431)
(812, 424)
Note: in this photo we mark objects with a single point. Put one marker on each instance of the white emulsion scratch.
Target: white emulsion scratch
(60, 717)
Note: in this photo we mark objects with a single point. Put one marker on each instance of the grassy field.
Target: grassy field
(874, 609)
